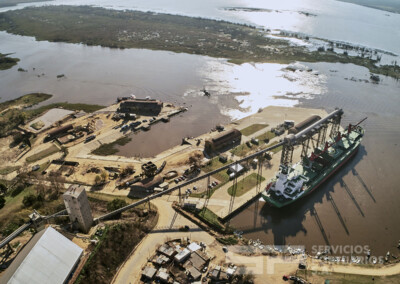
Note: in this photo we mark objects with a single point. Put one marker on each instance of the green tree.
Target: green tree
(29, 200)
(97, 179)
(115, 204)
(2, 201)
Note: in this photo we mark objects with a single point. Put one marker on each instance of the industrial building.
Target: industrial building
(222, 140)
(141, 106)
(78, 207)
(59, 132)
(304, 124)
(48, 258)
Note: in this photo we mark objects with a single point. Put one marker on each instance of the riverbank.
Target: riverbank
(133, 29)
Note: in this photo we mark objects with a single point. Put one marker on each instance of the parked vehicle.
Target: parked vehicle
(90, 138)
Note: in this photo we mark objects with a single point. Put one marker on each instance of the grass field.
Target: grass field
(7, 170)
(109, 148)
(209, 217)
(267, 135)
(244, 185)
(222, 176)
(252, 129)
(25, 101)
(134, 29)
(43, 154)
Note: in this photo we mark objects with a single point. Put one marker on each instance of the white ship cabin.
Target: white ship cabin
(289, 182)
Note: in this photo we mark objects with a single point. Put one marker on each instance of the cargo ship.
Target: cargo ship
(296, 181)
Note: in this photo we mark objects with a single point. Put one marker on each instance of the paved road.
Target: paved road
(165, 230)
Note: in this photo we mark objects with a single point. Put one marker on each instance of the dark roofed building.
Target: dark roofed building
(140, 106)
(222, 140)
(59, 132)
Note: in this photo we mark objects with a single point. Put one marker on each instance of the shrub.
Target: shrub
(115, 204)
(29, 200)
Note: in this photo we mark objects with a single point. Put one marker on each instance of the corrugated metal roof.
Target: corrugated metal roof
(49, 261)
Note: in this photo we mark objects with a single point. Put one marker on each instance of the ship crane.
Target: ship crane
(338, 138)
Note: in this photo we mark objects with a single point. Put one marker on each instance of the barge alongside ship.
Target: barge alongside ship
(296, 181)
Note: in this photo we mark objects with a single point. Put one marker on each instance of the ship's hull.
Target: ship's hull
(314, 184)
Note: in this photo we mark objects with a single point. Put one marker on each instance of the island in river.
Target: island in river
(134, 29)
(7, 62)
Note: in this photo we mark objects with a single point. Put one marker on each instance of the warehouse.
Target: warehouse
(224, 139)
(140, 106)
(48, 258)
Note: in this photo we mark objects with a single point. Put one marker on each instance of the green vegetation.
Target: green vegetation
(8, 170)
(242, 150)
(276, 150)
(221, 176)
(43, 154)
(134, 29)
(109, 148)
(2, 201)
(246, 184)
(25, 101)
(267, 135)
(7, 3)
(252, 129)
(7, 62)
(228, 241)
(115, 204)
(210, 218)
(214, 164)
(37, 125)
(109, 254)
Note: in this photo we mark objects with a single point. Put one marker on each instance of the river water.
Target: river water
(359, 205)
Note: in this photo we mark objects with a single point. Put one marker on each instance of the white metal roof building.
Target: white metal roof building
(48, 258)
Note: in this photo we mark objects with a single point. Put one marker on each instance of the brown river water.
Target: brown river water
(359, 205)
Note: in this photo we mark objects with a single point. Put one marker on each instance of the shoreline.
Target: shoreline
(181, 34)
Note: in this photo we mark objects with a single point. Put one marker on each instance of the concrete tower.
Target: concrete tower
(78, 207)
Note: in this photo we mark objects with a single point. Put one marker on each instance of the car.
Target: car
(176, 180)
(194, 187)
(302, 265)
(35, 168)
(210, 186)
(205, 269)
(216, 182)
(225, 249)
(90, 138)
(213, 183)
(144, 120)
